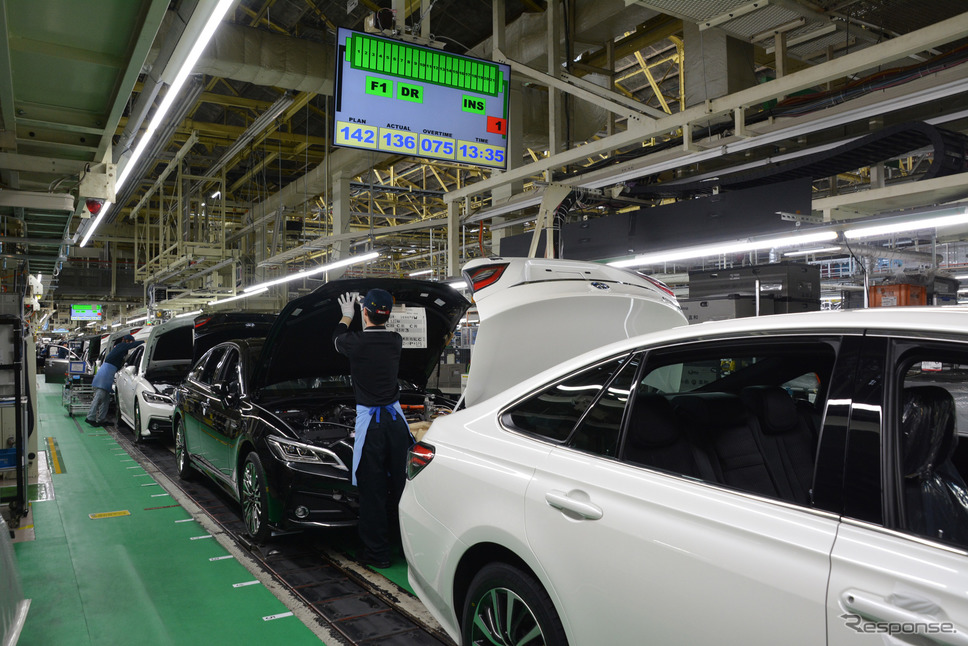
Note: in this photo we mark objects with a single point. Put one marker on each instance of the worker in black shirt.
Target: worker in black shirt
(382, 434)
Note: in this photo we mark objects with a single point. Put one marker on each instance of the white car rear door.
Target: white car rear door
(899, 569)
(636, 555)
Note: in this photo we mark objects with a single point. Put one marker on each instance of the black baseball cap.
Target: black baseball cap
(127, 338)
(378, 301)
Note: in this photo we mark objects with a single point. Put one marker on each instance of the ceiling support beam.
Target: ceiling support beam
(882, 53)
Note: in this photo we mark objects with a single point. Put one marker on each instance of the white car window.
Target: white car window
(742, 416)
(598, 431)
(553, 412)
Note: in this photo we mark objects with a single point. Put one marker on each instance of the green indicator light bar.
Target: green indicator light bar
(379, 56)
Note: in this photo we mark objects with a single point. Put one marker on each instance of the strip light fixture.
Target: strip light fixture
(737, 246)
(422, 272)
(218, 13)
(907, 225)
(807, 252)
(192, 313)
(138, 320)
(239, 296)
(305, 273)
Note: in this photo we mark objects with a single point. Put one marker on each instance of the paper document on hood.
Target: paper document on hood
(411, 324)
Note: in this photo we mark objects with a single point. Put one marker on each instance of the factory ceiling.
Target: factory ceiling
(253, 126)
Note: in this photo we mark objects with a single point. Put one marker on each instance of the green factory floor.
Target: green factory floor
(116, 561)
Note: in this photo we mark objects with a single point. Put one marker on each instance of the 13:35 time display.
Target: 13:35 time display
(478, 153)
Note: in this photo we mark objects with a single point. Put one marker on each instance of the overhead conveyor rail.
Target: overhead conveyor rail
(949, 153)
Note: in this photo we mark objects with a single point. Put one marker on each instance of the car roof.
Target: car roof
(900, 321)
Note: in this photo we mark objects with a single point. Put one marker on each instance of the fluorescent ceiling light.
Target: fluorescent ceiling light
(176, 85)
(118, 324)
(807, 252)
(961, 277)
(192, 313)
(907, 225)
(352, 260)
(169, 99)
(457, 284)
(422, 272)
(737, 246)
(255, 292)
(138, 320)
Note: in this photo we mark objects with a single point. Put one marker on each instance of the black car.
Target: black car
(272, 421)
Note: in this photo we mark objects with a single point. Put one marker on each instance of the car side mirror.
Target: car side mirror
(232, 393)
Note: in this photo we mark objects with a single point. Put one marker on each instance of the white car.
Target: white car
(146, 381)
(790, 479)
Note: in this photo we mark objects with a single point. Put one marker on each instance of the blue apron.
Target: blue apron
(104, 378)
(364, 414)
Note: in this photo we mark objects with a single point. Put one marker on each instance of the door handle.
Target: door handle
(880, 609)
(564, 502)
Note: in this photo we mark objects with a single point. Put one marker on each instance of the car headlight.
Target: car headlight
(155, 398)
(298, 452)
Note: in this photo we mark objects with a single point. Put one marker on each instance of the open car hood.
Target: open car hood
(212, 329)
(300, 343)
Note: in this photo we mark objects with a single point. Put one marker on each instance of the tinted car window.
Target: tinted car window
(599, 429)
(230, 367)
(206, 369)
(134, 356)
(931, 426)
(737, 415)
(553, 412)
(174, 345)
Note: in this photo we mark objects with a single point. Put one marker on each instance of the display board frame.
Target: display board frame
(87, 312)
(400, 98)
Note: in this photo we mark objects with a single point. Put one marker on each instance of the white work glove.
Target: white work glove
(347, 305)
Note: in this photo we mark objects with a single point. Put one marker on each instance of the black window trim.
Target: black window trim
(504, 419)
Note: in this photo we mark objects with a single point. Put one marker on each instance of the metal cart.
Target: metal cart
(78, 391)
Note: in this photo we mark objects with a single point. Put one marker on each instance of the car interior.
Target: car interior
(746, 421)
(746, 417)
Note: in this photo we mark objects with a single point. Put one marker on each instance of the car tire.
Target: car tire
(254, 496)
(499, 589)
(136, 426)
(183, 462)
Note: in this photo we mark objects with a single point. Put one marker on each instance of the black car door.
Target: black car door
(197, 404)
(225, 414)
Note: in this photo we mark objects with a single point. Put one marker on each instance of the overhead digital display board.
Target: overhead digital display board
(86, 312)
(394, 97)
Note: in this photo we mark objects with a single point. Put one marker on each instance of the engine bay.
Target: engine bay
(335, 422)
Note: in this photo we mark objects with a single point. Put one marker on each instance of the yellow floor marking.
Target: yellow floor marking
(109, 514)
(55, 460)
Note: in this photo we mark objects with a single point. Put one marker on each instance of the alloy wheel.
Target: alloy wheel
(502, 618)
(137, 423)
(252, 486)
(181, 458)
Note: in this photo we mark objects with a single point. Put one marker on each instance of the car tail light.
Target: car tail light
(420, 456)
(658, 283)
(481, 277)
(202, 322)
